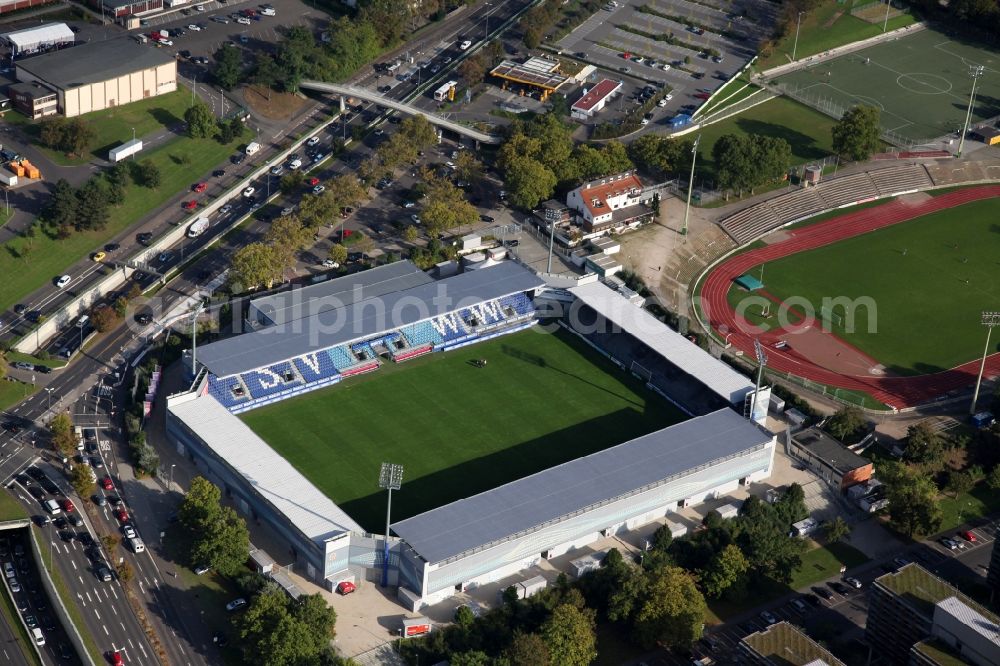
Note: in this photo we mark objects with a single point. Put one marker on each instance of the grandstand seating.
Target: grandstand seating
(751, 222)
(901, 179)
(229, 391)
(412, 352)
(341, 358)
(315, 367)
(270, 380)
(519, 303)
(847, 190)
(450, 327)
(421, 333)
(797, 204)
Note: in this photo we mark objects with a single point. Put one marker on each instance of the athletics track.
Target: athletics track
(898, 392)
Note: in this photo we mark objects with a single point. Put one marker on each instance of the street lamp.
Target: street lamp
(48, 395)
(170, 484)
(488, 4)
(975, 71)
(798, 24)
(687, 208)
(990, 319)
(390, 478)
(888, 6)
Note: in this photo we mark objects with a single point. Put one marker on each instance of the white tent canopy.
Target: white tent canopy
(34, 39)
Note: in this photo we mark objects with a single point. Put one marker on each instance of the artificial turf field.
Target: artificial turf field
(920, 82)
(927, 317)
(457, 429)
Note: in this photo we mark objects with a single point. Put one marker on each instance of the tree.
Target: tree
(924, 444)
(104, 318)
(315, 210)
(527, 650)
(148, 174)
(253, 266)
(82, 479)
(287, 236)
(473, 70)
(470, 658)
(993, 478)
(856, 134)
(124, 571)
(277, 631)
(94, 202)
(419, 132)
(761, 532)
(529, 182)
(670, 609)
(228, 66)
(960, 482)
(410, 234)
(62, 434)
(570, 636)
(913, 506)
(266, 71)
(846, 423)
(724, 571)
(220, 537)
(446, 208)
(69, 135)
(319, 618)
(467, 167)
(464, 617)
(200, 121)
(338, 253)
(61, 209)
(837, 530)
(200, 508)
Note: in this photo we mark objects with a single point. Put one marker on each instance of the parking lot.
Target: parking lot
(638, 40)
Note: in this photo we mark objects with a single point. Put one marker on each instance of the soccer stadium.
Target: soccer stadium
(530, 421)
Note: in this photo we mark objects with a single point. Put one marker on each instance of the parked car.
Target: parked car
(768, 617)
(968, 536)
(236, 603)
(345, 587)
(63, 281)
(853, 582)
(823, 592)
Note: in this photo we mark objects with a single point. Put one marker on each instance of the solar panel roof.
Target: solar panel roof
(563, 490)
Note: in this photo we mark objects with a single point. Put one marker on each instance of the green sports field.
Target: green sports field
(542, 399)
(930, 279)
(920, 82)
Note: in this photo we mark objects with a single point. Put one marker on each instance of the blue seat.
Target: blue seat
(520, 303)
(449, 326)
(421, 333)
(315, 366)
(223, 390)
(341, 358)
(270, 380)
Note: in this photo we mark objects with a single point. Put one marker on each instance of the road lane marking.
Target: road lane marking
(106, 632)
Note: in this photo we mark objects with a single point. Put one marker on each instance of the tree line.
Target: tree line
(659, 600)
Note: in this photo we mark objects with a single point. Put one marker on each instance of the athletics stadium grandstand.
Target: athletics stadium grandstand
(318, 335)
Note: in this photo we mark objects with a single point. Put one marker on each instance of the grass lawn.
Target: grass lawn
(13, 357)
(10, 509)
(457, 429)
(980, 501)
(818, 563)
(829, 25)
(13, 392)
(26, 266)
(805, 130)
(949, 261)
(114, 126)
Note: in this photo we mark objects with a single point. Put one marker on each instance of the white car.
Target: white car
(63, 281)
(194, 28)
(248, 192)
(319, 189)
(225, 209)
(330, 263)
(199, 8)
(666, 67)
(465, 44)
(129, 532)
(312, 141)
(243, 20)
(201, 570)
(165, 42)
(294, 164)
(415, 218)
(669, 96)
(662, 102)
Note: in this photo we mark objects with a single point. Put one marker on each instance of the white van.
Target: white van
(252, 148)
(52, 507)
(39, 637)
(136, 544)
(268, 11)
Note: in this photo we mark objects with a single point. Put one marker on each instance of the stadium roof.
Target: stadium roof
(50, 33)
(365, 318)
(272, 476)
(300, 302)
(93, 62)
(689, 357)
(567, 489)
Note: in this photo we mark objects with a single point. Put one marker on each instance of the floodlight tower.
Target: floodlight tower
(975, 71)
(390, 477)
(687, 208)
(758, 349)
(990, 319)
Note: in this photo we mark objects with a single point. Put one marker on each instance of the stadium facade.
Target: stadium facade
(314, 337)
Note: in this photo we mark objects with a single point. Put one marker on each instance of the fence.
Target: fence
(876, 11)
(836, 110)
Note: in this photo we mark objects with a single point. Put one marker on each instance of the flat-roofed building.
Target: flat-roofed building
(782, 644)
(33, 99)
(594, 99)
(533, 75)
(831, 460)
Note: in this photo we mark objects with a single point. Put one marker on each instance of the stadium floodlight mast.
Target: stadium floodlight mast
(975, 71)
(798, 24)
(990, 319)
(687, 208)
(758, 350)
(390, 478)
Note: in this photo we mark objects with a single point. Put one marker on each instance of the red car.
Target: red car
(702, 95)
(107, 484)
(190, 205)
(314, 181)
(116, 659)
(122, 515)
(345, 587)
(200, 187)
(968, 536)
(67, 505)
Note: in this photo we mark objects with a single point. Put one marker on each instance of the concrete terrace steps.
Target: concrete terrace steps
(797, 204)
(901, 179)
(750, 222)
(847, 190)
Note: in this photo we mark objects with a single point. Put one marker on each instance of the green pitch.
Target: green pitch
(920, 82)
(930, 279)
(542, 399)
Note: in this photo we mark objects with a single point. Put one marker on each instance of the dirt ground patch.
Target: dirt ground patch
(833, 19)
(273, 105)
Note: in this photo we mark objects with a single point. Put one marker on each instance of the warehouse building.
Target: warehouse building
(42, 38)
(123, 9)
(7, 6)
(101, 75)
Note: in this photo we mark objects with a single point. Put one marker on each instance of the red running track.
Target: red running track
(896, 392)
